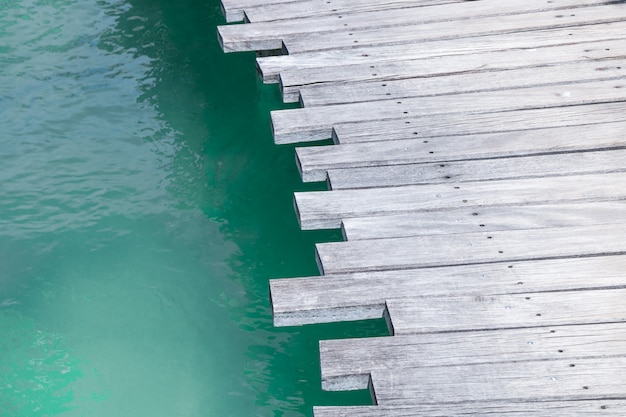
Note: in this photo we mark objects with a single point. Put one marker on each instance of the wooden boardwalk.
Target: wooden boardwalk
(478, 173)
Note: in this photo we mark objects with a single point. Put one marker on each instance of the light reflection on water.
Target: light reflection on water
(142, 209)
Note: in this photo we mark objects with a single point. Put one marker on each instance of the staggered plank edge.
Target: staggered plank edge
(478, 175)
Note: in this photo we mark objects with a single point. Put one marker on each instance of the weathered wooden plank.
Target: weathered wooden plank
(493, 312)
(295, 125)
(233, 10)
(484, 219)
(270, 67)
(461, 124)
(592, 408)
(347, 364)
(332, 94)
(307, 9)
(269, 35)
(292, 81)
(347, 38)
(470, 248)
(362, 295)
(533, 381)
(314, 162)
(326, 209)
(479, 170)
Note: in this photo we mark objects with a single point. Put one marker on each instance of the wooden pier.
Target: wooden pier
(478, 173)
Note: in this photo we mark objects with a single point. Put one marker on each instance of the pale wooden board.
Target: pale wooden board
(295, 125)
(347, 364)
(593, 408)
(362, 295)
(479, 170)
(484, 219)
(533, 381)
(357, 92)
(470, 248)
(314, 162)
(269, 35)
(460, 124)
(292, 81)
(307, 9)
(347, 38)
(493, 312)
(326, 209)
(233, 10)
(270, 67)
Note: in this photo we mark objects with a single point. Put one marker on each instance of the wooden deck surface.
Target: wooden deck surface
(478, 174)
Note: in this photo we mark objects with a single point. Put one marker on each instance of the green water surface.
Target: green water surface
(143, 208)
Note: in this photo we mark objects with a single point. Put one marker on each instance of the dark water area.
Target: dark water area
(143, 208)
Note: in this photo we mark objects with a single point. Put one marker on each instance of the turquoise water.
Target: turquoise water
(143, 208)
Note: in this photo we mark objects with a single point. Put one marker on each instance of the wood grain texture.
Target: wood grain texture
(315, 162)
(479, 170)
(356, 92)
(485, 219)
(308, 9)
(592, 408)
(233, 10)
(440, 66)
(270, 34)
(470, 248)
(295, 125)
(326, 209)
(347, 364)
(494, 312)
(516, 23)
(272, 66)
(362, 295)
(532, 381)
(460, 124)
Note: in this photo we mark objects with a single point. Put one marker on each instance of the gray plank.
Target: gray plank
(362, 295)
(296, 125)
(307, 9)
(326, 209)
(292, 81)
(593, 408)
(315, 162)
(347, 364)
(347, 38)
(484, 219)
(233, 10)
(470, 248)
(357, 92)
(534, 381)
(460, 124)
(479, 170)
(270, 67)
(269, 35)
(494, 312)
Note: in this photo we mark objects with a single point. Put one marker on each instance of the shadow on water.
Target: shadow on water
(143, 209)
